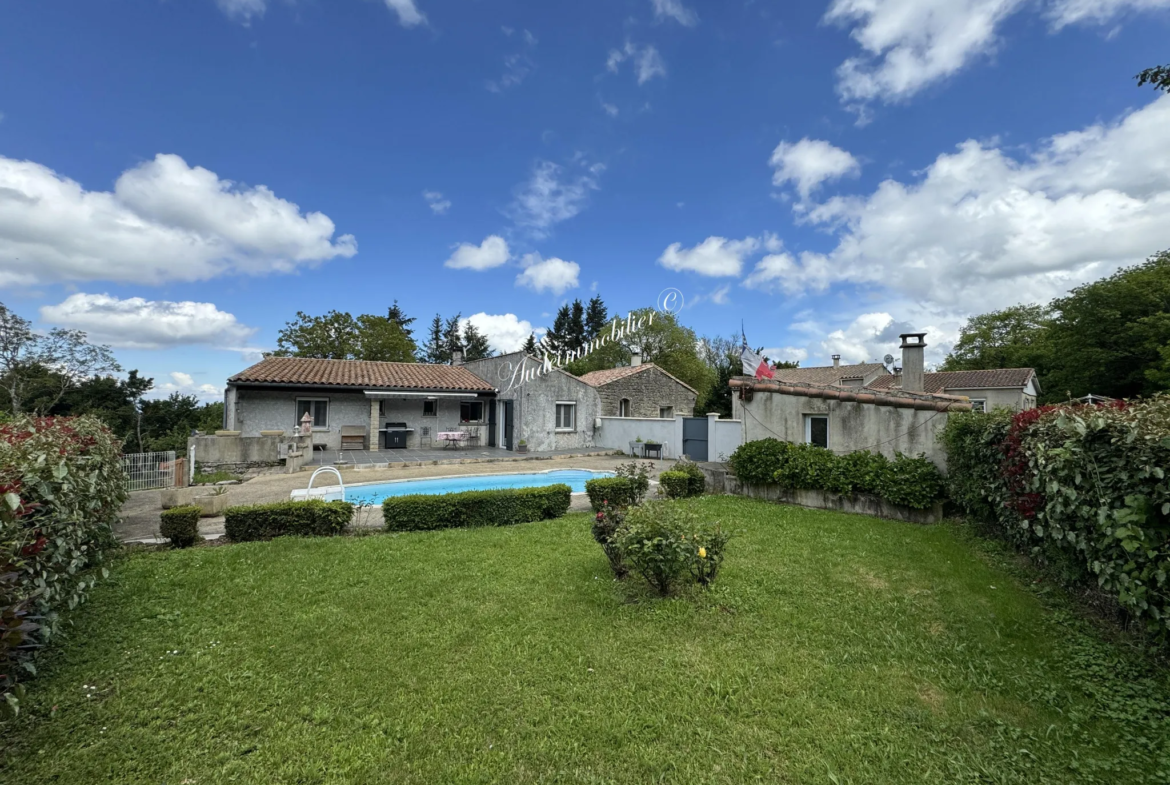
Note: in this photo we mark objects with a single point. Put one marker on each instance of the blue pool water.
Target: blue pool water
(374, 494)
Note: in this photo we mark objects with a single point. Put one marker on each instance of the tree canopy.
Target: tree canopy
(339, 336)
(1015, 337)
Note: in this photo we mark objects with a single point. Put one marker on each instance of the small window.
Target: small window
(471, 411)
(318, 409)
(978, 405)
(566, 416)
(624, 407)
(666, 412)
(816, 431)
(430, 408)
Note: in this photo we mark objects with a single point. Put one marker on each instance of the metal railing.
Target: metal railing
(146, 470)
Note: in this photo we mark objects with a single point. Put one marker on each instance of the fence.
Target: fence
(146, 470)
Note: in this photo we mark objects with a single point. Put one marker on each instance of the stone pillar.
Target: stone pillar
(229, 408)
(372, 442)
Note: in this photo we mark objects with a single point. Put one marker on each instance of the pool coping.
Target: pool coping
(327, 488)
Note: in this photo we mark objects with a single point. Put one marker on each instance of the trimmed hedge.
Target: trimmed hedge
(180, 525)
(755, 463)
(499, 507)
(313, 518)
(618, 491)
(675, 485)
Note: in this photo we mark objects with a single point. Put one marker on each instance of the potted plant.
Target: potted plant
(522, 446)
(213, 503)
(636, 447)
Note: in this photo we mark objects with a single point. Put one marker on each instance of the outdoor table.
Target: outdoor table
(453, 437)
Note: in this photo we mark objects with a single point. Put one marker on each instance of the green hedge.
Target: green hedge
(675, 485)
(755, 463)
(618, 491)
(314, 518)
(180, 525)
(501, 507)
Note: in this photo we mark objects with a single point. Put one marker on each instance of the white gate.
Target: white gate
(146, 470)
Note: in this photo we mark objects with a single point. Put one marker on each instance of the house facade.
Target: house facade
(642, 390)
(1011, 388)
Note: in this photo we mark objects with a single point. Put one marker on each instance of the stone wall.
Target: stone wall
(648, 391)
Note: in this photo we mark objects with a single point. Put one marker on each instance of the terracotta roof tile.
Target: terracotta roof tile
(828, 374)
(361, 373)
(895, 398)
(608, 375)
(963, 380)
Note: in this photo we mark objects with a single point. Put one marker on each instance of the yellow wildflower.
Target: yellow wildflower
(702, 553)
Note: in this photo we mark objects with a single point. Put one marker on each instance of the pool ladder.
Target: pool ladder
(340, 481)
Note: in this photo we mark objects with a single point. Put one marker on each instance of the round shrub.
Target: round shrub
(618, 491)
(665, 542)
(912, 482)
(675, 484)
(180, 525)
(755, 463)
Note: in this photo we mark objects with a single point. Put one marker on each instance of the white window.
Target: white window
(566, 416)
(666, 412)
(471, 411)
(978, 405)
(317, 408)
(624, 407)
(816, 430)
(430, 408)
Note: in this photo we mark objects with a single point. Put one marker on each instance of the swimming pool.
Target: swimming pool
(374, 493)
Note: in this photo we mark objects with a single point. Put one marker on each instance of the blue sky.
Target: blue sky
(179, 178)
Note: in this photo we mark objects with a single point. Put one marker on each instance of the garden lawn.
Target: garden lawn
(832, 649)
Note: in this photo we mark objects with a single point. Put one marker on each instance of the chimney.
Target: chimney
(913, 362)
(836, 361)
(457, 357)
(635, 359)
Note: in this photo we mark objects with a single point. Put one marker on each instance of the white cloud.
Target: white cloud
(610, 110)
(773, 271)
(163, 221)
(243, 10)
(647, 62)
(715, 256)
(1066, 12)
(911, 44)
(548, 275)
(408, 13)
(810, 162)
(553, 195)
(674, 9)
(870, 337)
(136, 323)
(516, 67)
(435, 200)
(185, 384)
(505, 331)
(981, 230)
(788, 354)
(492, 252)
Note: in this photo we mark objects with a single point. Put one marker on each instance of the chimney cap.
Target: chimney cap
(919, 340)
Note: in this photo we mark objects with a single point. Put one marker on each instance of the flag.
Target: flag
(754, 364)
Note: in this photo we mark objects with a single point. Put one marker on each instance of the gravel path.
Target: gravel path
(140, 514)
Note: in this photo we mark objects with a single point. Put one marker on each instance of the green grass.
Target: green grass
(213, 477)
(833, 649)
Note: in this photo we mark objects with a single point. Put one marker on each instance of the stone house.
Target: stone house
(1012, 388)
(642, 390)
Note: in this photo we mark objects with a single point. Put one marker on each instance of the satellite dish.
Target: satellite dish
(888, 359)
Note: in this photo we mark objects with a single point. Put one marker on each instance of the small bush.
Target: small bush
(665, 542)
(618, 491)
(912, 482)
(805, 467)
(639, 476)
(858, 472)
(755, 463)
(605, 527)
(675, 485)
(500, 507)
(313, 518)
(696, 480)
(180, 525)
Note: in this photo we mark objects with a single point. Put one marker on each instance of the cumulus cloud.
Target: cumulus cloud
(435, 200)
(492, 252)
(647, 62)
(715, 256)
(810, 162)
(505, 331)
(552, 195)
(674, 9)
(788, 354)
(243, 10)
(408, 13)
(980, 229)
(163, 221)
(136, 323)
(1066, 12)
(548, 275)
(185, 384)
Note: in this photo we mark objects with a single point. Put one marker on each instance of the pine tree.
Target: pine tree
(558, 335)
(530, 345)
(452, 341)
(399, 317)
(596, 317)
(475, 343)
(435, 350)
(576, 337)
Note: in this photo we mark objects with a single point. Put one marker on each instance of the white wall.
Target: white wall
(616, 433)
(723, 437)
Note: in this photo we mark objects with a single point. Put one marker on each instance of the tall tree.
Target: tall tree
(25, 354)
(434, 351)
(576, 337)
(452, 339)
(530, 345)
(1015, 337)
(596, 317)
(557, 337)
(399, 317)
(339, 336)
(475, 343)
(381, 338)
(1157, 77)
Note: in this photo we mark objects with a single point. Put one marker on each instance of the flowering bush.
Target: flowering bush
(666, 543)
(1081, 487)
(605, 526)
(61, 486)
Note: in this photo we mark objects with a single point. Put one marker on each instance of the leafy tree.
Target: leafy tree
(1015, 337)
(25, 354)
(475, 343)
(339, 336)
(434, 350)
(1157, 77)
(382, 339)
(1110, 337)
(596, 317)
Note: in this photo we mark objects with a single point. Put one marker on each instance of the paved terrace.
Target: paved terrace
(140, 515)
